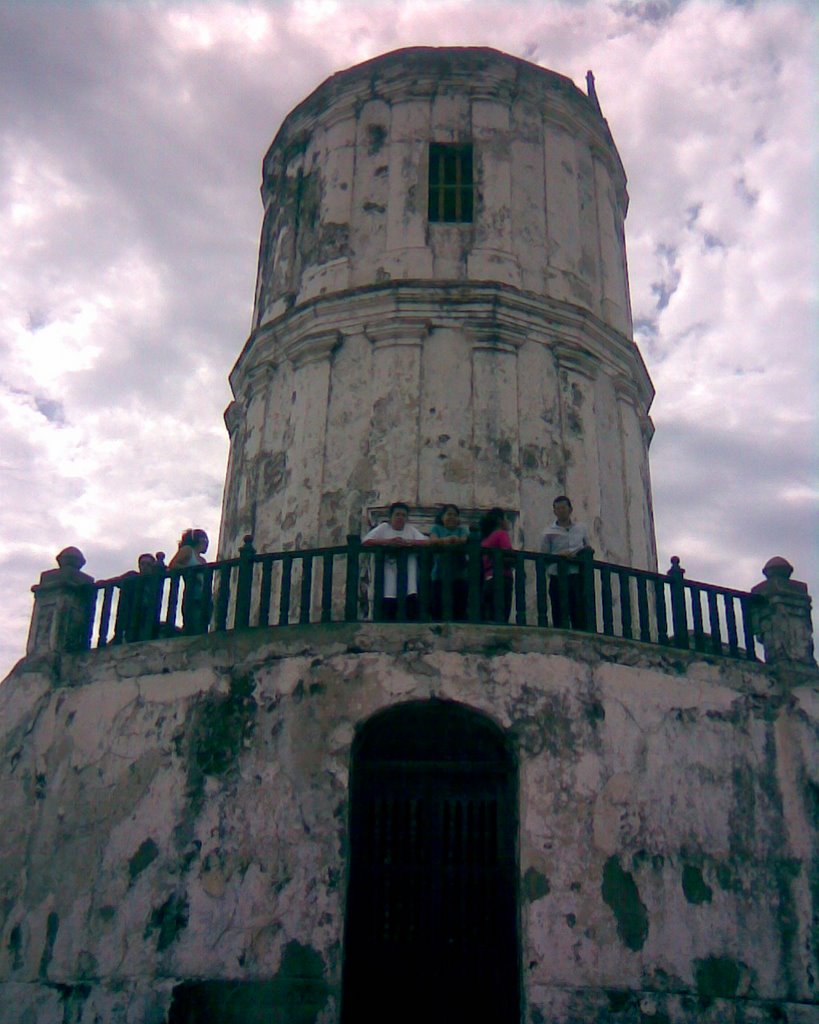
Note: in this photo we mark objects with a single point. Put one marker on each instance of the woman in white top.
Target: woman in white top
(195, 603)
(397, 533)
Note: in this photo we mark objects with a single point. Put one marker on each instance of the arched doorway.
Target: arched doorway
(431, 933)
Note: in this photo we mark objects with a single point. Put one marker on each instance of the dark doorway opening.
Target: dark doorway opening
(432, 923)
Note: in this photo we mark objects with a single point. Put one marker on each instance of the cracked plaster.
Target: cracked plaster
(623, 752)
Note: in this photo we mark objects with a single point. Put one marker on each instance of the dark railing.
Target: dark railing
(346, 584)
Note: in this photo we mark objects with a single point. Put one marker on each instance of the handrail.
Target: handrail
(350, 583)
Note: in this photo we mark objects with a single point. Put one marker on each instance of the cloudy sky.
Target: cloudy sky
(131, 139)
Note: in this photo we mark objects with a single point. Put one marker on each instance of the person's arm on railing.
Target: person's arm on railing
(380, 537)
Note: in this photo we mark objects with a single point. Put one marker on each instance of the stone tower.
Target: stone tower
(442, 311)
(231, 794)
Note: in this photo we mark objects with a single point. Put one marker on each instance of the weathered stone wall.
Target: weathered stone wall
(177, 811)
(488, 363)
(433, 394)
(345, 185)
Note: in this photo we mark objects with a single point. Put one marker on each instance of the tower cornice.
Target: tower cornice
(407, 310)
(575, 357)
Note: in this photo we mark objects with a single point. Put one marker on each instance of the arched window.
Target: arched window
(431, 929)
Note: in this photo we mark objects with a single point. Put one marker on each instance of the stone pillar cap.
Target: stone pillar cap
(70, 561)
(777, 568)
(71, 558)
(777, 572)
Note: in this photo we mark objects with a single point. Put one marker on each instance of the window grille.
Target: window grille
(450, 183)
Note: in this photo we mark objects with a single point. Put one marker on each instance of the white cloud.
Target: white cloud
(249, 28)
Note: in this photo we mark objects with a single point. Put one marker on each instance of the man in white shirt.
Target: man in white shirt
(397, 533)
(566, 540)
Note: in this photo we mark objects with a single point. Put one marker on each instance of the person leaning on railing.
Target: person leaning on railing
(195, 603)
(495, 534)
(397, 533)
(139, 602)
(447, 531)
(566, 540)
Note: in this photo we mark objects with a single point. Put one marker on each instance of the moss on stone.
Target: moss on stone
(785, 871)
(147, 853)
(619, 999)
(810, 794)
(621, 894)
(73, 998)
(87, 965)
(656, 1017)
(168, 920)
(295, 995)
(221, 726)
(594, 712)
(300, 961)
(694, 885)
(15, 946)
(52, 927)
(535, 885)
(717, 977)
(725, 877)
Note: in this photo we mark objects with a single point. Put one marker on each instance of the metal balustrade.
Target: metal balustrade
(346, 584)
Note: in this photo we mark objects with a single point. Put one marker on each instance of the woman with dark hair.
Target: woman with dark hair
(495, 534)
(446, 531)
(195, 603)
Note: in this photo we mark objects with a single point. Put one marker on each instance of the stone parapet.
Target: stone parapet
(181, 789)
(782, 620)
(63, 599)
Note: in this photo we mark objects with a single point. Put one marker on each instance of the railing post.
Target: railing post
(679, 619)
(782, 620)
(424, 580)
(498, 585)
(351, 582)
(63, 607)
(520, 589)
(586, 560)
(564, 620)
(244, 583)
(401, 581)
(475, 575)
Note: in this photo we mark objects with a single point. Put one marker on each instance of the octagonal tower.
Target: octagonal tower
(287, 810)
(442, 311)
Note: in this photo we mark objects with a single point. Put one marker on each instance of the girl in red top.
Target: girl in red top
(495, 534)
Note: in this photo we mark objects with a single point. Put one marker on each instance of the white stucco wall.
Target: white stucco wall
(430, 395)
(393, 358)
(550, 188)
(178, 810)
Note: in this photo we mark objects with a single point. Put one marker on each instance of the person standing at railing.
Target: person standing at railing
(495, 534)
(195, 603)
(139, 600)
(447, 531)
(397, 533)
(566, 539)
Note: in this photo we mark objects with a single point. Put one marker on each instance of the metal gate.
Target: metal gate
(431, 928)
